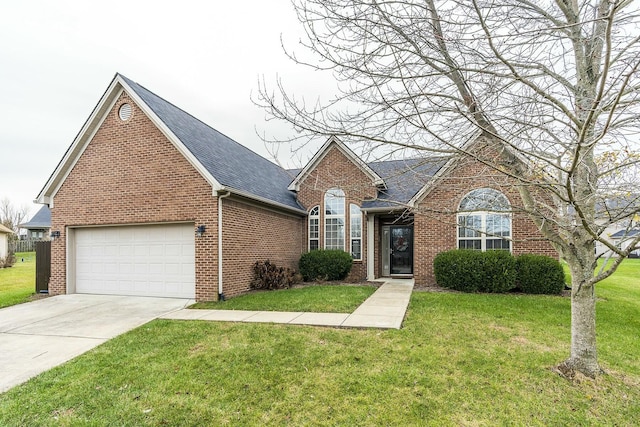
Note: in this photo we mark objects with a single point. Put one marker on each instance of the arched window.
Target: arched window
(334, 219)
(314, 228)
(355, 227)
(484, 221)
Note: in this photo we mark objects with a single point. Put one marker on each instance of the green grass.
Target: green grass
(18, 283)
(460, 360)
(316, 298)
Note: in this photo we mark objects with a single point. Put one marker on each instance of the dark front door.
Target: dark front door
(401, 250)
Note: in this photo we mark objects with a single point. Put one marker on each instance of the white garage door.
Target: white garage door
(147, 260)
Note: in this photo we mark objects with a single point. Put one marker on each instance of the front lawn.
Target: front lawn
(18, 283)
(313, 298)
(460, 360)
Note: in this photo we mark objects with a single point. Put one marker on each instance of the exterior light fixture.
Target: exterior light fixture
(55, 235)
(200, 230)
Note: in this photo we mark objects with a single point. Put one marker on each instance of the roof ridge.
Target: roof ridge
(197, 119)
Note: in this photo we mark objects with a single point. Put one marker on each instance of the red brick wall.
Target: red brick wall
(335, 170)
(435, 219)
(251, 233)
(131, 174)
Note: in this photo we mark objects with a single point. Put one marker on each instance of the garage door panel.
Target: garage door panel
(188, 251)
(141, 250)
(152, 260)
(125, 268)
(125, 250)
(111, 250)
(173, 269)
(141, 269)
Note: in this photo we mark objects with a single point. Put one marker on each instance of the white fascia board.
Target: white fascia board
(322, 152)
(91, 126)
(73, 153)
(377, 180)
(262, 200)
(426, 189)
(171, 137)
(388, 209)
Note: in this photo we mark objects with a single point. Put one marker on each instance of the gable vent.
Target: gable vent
(125, 112)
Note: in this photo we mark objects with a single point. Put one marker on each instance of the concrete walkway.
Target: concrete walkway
(385, 309)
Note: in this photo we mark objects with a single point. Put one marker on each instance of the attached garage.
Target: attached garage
(141, 260)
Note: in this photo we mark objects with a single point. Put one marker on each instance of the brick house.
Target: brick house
(148, 200)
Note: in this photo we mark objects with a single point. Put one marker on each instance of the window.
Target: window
(484, 222)
(356, 231)
(334, 219)
(314, 228)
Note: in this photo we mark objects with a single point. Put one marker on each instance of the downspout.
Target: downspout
(220, 197)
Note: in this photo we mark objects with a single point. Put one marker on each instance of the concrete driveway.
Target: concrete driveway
(39, 335)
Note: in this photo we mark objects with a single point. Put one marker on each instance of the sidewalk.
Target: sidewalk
(385, 309)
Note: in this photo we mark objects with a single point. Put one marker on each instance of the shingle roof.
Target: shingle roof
(625, 233)
(235, 166)
(404, 178)
(42, 219)
(230, 163)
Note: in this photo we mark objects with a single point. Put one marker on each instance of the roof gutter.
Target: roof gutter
(389, 209)
(220, 197)
(263, 200)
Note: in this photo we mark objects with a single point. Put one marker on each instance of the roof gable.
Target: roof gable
(235, 167)
(334, 142)
(225, 164)
(447, 168)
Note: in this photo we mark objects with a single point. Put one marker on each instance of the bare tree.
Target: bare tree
(11, 216)
(552, 85)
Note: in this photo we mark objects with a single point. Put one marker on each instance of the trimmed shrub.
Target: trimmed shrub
(458, 269)
(539, 274)
(499, 272)
(269, 276)
(329, 264)
(474, 271)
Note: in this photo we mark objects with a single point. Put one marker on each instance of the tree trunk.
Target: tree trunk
(584, 357)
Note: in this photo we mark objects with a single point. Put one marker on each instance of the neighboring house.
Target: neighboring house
(622, 239)
(5, 233)
(38, 227)
(148, 200)
(620, 232)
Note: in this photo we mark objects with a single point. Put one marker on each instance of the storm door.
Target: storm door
(397, 250)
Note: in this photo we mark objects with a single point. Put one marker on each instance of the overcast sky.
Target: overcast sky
(58, 57)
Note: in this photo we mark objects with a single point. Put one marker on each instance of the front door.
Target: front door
(397, 250)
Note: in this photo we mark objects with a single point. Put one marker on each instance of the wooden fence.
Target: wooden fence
(28, 245)
(43, 266)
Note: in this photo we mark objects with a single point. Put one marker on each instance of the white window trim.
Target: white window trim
(313, 217)
(483, 214)
(328, 217)
(358, 215)
(484, 236)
